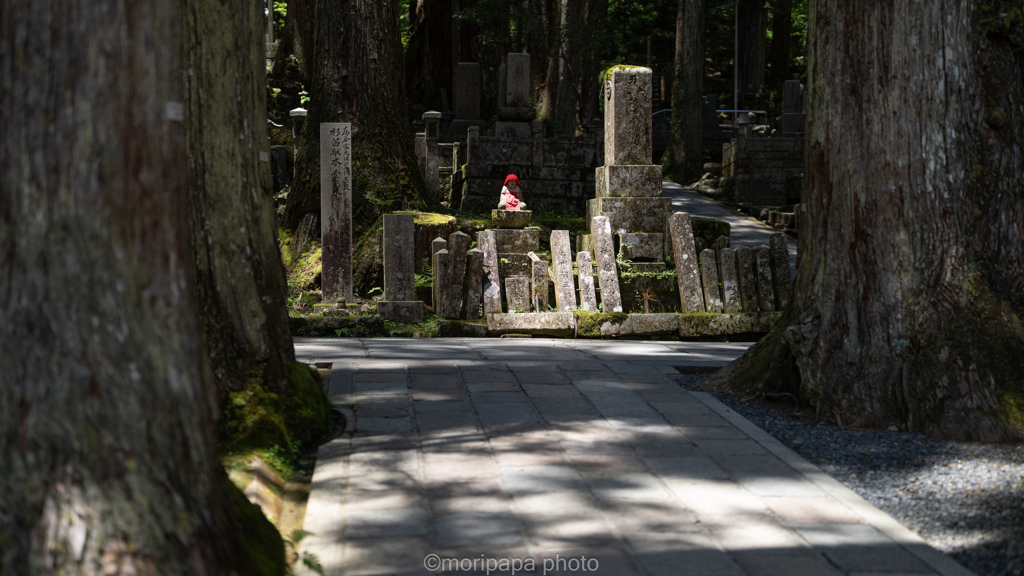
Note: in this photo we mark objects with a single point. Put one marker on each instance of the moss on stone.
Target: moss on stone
(588, 324)
(275, 425)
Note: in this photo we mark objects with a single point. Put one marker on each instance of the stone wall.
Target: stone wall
(556, 173)
(763, 171)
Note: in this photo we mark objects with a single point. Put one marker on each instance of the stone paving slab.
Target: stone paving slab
(570, 457)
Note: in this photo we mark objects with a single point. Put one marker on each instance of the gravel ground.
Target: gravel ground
(965, 499)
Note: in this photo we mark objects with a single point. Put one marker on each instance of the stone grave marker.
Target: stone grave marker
(730, 281)
(538, 282)
(746, 263)
(585, 270)
(466, 94)
(561, 257)
(765, 292)
(336, 210)
(709, 277)
(627, 116)
(517, 80)
(399, 268)
(473, 287)
(691, 295)
(451, 299)
(517, 292)
(783, 280)
(436, 245)
(607, 274)
(491, 272)
(440, 263)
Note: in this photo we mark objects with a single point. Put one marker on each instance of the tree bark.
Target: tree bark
(437, 64)
(753, 23)
(573, 30)
(588, 82)
(685, 160)
(239, 274)
(909, 290)
(548, 97)
(357, 78)
(108, 457)
(305, 31)
(285, 47)
(779, 55)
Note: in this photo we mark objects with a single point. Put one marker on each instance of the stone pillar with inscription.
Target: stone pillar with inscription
(336, 210)
(628, 185)
(399, 303)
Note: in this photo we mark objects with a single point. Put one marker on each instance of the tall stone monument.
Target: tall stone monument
(336, 210)
(399, 303)
(628, 185)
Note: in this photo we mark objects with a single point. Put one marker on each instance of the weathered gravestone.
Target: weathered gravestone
(336, 210)
(491, 273)
(627, 124)
(783, 281)
(585, 270)
(746, 263)
(436, 245)
(399, 303)
(684, 252)
(451, 291)
(607, 274)
(730, 281)
(473, 288)
(466, 95)
(765, 291)
(561, 257)
(709, 277)
(517, 292)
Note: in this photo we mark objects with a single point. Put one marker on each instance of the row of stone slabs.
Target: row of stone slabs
(747, 284)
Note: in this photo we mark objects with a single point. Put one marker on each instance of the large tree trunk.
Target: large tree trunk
(437, 62)
(908, 303)
(570, 60)
(548, 96)
(753, 23)
(685, 156)
(357, 78)
(108, 456)
(305, 30)
(589, 82)
(779, 54)
(582, 22)
(239, 274)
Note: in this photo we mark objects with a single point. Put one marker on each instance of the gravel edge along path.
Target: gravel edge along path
(965, 499)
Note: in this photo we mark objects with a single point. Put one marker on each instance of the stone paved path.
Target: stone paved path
(531, 456)
(745, 231)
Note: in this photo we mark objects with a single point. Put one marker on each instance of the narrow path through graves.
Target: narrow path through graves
(746, 231)
(501, 456)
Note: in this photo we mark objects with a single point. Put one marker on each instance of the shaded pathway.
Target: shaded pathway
(468, 456)
(746, 231)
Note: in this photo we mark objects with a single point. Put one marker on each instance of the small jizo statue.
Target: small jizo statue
(511, 196)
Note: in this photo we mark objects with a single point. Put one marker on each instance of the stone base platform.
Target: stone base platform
(701, 324)
(511, 218)
(633, 213)
(537, 323)
(407, 312)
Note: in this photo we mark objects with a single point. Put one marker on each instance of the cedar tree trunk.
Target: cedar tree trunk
(239, 275)
(108, 460)
(779, 53)
(357, 78)
(685, 156)
(752, 24)
(910, 287)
